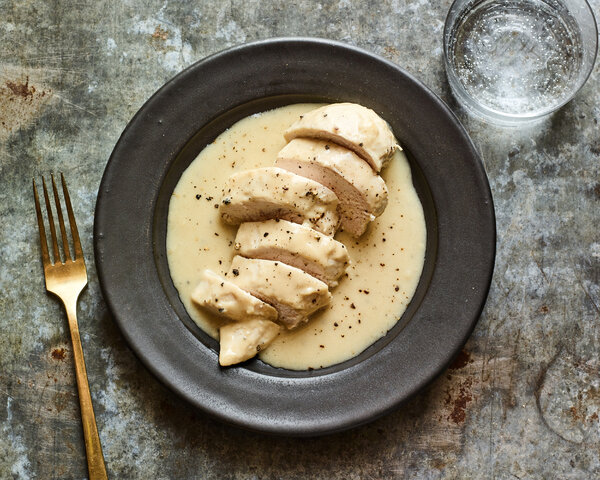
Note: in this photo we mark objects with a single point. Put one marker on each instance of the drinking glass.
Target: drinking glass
(514, 61)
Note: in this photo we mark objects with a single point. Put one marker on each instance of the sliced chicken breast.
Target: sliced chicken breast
(222, 297)
(351, 125)
(294, 293)
(266, 193)
(242, 340)
(361, 192)
(318, 255)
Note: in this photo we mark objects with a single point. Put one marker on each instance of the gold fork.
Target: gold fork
(66, 280)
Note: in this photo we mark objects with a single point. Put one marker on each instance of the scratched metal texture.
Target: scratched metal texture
(522, 400)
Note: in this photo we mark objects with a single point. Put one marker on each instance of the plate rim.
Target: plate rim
(297, 426)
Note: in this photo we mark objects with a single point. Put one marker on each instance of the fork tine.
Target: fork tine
(41, 228)
(61, 222)
(72, 223)
(51, 222)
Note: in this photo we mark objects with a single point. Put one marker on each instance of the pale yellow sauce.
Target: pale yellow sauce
(387, 260)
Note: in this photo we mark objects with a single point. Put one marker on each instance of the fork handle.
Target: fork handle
(93, 448)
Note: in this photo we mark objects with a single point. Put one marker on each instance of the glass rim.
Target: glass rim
(499, 116)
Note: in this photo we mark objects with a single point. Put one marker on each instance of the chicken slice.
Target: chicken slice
(351, 125)
(361, 192)
(222, 297)
(318, 255)
(242, 340)
(266, 193)
(294, 293)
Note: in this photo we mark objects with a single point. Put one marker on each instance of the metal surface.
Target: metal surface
(66, 277)
(520, 401)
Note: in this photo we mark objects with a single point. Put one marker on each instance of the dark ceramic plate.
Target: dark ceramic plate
(189, 112)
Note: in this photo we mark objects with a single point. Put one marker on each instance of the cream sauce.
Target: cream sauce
(387, 260)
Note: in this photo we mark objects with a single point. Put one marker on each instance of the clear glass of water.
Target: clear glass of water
(514, 61)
